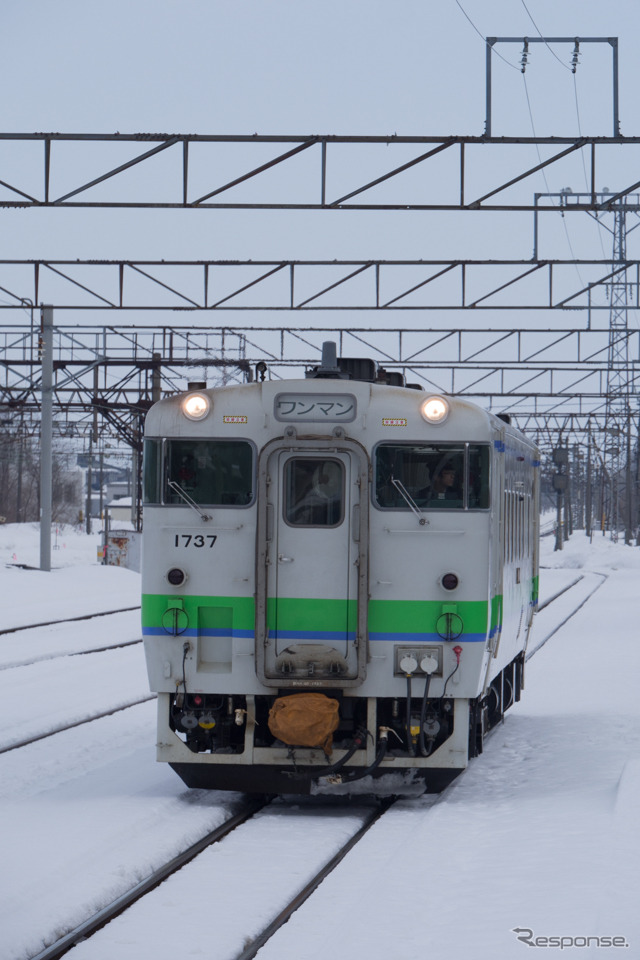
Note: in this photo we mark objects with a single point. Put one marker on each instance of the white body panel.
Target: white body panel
(272, 602)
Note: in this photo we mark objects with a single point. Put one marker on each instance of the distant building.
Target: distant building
(120, 512)
(117, 490)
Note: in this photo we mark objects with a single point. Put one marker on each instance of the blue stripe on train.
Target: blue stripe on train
(335, 635)
(426, 637)
(194, 632)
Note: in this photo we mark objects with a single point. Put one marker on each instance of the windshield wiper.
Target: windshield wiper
(187, 499)
(408, 499)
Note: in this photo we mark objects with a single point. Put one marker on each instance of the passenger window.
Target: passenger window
(449, 476)
(210, 472)
(313, 492)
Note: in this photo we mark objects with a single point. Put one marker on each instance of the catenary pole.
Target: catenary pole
(46, 430)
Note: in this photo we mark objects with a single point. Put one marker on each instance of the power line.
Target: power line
(544, 177)
(575, 93)
(484, 39)
(552, 52)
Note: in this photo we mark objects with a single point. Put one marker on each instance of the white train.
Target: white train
(339, 579)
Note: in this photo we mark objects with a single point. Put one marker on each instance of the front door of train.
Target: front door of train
(312, 616)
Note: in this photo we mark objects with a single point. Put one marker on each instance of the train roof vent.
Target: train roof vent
(352, 368)
(329, 368)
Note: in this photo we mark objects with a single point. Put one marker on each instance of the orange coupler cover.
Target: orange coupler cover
(305, 720)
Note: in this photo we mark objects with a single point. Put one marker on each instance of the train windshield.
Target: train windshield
(209, 472)
(445, 475)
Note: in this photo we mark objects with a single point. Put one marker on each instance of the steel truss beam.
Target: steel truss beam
(313, 285)
(125, 425)
(122, 368)
(295, 172)
(105, 379)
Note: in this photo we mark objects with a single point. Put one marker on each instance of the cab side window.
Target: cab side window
(434, 476)
(210, 472)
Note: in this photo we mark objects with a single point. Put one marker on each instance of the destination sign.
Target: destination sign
(315, 407)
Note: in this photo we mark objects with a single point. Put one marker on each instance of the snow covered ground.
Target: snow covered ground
(540, 834)
(77, 585)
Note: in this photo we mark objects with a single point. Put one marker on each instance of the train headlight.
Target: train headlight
(435, 410)
(196, 406)
(449, 581)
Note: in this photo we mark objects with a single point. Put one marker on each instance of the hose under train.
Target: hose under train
(357, 743)
(359, 739)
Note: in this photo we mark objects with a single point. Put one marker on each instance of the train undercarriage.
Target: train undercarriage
(379, 746)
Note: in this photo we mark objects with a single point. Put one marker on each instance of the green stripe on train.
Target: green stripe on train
(295, 614)
(385, 616)
(420, 616)
(242, 609)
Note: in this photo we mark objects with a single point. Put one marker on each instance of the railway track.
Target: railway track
(68, 643)
(70, 653)
(50, 623)
(76, 723)
(91, 926)
(95, 923)
(592, 583)
(256, 942)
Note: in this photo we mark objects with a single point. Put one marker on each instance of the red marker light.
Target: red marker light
(197, 700)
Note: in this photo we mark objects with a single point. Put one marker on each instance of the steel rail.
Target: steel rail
(71, 653)
(541, 606)
(259, 941)
(604, 576)
(78, 723)
(118, 906)
(86, 616)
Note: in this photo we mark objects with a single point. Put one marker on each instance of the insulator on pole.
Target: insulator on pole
(575, 57)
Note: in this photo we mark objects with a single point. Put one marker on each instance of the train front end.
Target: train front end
(323, 583)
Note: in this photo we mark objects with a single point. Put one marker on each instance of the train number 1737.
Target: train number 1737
(195, 539)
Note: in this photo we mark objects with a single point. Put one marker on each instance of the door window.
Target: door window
(313, 492)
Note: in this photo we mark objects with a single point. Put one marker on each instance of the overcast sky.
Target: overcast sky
(302, 67)
(296, 66)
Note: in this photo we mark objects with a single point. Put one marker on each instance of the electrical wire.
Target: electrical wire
(601, 226)
(584, 165)
(546, 183)
(424, 751)
(457, 650)
(544, 177)
(552, 52)
(185, 651)
(449, 678)
(484, 39)
(411, 750)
